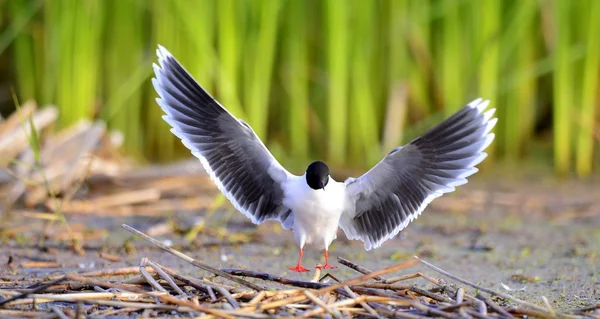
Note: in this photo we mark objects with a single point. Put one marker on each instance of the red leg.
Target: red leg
(299, 267)
(327, 265)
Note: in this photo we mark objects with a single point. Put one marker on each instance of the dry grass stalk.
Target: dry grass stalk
(348, 300)
(190, 259)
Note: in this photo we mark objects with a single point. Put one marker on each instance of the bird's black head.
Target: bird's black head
(317, 175)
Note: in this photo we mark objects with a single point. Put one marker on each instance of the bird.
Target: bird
(372, 208)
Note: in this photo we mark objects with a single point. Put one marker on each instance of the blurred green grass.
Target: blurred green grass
(342, 81)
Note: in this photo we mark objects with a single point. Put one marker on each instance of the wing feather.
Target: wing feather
(387, 198)
(229, 150)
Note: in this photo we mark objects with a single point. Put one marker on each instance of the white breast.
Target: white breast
(316, 213)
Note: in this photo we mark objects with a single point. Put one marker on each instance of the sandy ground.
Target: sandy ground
(540, 240)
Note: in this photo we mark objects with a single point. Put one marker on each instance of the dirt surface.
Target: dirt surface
(530, 241)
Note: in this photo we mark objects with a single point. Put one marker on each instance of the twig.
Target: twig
(59, 313)
(489, 291)
(150, 279)
(368, 276)
(112, 312)
(401, 314)
(189, 281)
(346, 302)
(460, 295)
(585, 309)
(269, 277)
(318, 301)
(341, 285)
(530, 312)
(494, 306)
(316, 275)
(363, 304)
(41, 298)
(376, 285)
(79, 312)
(33, 291)
(475, 314)
(432, 311)
(165, 276)
(161, 296)
(227, 296)
(402, 278)
(358, 268)
(430, 295)
(481, 308)
(211, 293)
(199, 284)
(190, 259)
(299, 283)
(548, 306)
(455, 306)
(256, 299)
(328, 275)
(107, 272)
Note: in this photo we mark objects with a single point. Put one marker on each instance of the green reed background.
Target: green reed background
(341, 80)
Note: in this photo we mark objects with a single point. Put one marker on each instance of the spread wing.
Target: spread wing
(231, 153)
(396, 190)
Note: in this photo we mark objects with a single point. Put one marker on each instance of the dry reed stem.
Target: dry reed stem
(190, 259)
(337, 303)
(348, 302)
(107, 272)
(368, 276)
(32, 291)
(494, 307)
(163, 275)
(363, 304)
(358, 268)
(162, 296)
(493, 292)
(318, 302)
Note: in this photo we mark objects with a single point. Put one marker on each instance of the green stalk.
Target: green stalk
(86, 46)
(62, 15)
(336, 21)
(296, 40)
(51, 52)
(419, 39)
(527, 95)
(198, 28)
(519, 43)
(257, 90)
(520, 103)
(21, 32)
(364, 135)
(563, 79)
(398, 66)
(487, 18)
(166, 32)
(74, 54)
(453, 63)
(589, 93)
(229, 50)
(124, 109)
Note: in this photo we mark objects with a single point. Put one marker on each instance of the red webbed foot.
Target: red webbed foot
(299, 268)
(326, 266)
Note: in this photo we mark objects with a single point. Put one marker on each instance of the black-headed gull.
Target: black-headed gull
(373, 208)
